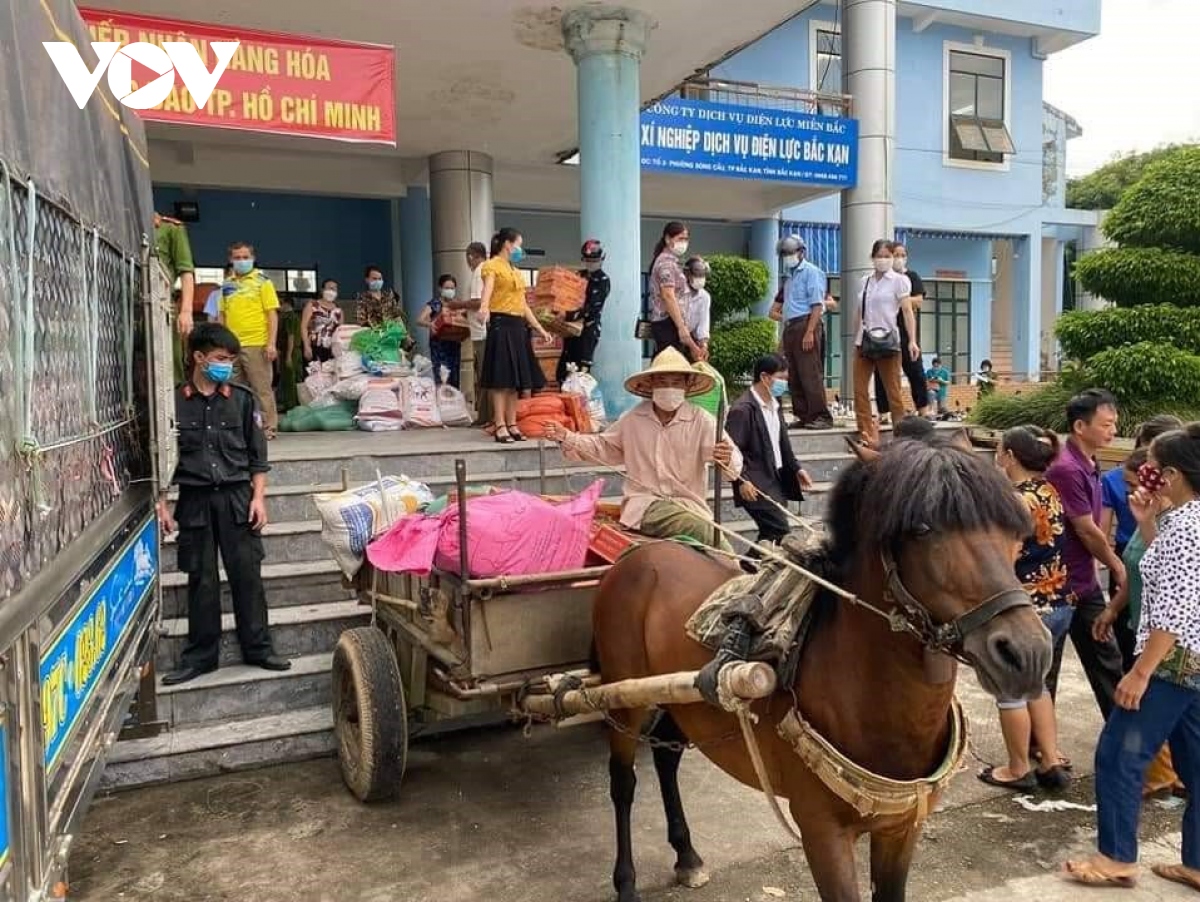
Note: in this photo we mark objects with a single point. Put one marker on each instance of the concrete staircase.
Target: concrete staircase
(238, 716)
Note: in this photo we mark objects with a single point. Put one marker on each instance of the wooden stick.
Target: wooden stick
(746, 681)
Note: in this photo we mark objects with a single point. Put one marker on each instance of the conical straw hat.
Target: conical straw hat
(669, 362)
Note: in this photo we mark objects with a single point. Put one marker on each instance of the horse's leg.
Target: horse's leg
(622, 783)
(891, 856)
(829, 850)
(689, 867)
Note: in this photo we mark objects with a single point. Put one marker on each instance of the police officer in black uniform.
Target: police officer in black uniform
(579, 349)
(222, 479)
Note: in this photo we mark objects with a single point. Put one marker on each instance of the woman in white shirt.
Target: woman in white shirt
(882, 297)
(1159, 699)
(697, 305)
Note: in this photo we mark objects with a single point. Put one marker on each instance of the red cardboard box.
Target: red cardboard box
(609, 542)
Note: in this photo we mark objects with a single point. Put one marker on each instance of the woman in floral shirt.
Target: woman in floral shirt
(1024, 454)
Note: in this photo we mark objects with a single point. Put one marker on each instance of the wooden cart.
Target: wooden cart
(445, 652)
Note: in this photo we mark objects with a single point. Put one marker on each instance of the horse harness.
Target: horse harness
(870, 794)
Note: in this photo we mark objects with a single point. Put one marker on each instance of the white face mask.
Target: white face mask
(699, 284)
(883, 264)
(901, 264)
(448, 293)
(329, 294)
(681, 248)
(668, 399)
(791, 261)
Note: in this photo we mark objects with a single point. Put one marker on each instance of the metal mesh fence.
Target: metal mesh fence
(70, 414)
(744, 93)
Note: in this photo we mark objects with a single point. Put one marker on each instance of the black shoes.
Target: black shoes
(272, 662)
(185, 674)
(736, 646)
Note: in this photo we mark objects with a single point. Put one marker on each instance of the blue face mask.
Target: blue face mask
(779, 388)
(375, 284)
(516, 255)
(218, 371)
(243, 267)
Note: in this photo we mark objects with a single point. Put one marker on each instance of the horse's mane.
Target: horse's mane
(915, 488)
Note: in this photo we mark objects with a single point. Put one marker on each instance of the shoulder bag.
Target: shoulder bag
(880, 342)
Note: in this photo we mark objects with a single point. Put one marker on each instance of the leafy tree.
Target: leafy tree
(736, 285)
(1102, 189)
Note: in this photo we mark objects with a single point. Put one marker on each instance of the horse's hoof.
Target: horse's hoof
(692, 878)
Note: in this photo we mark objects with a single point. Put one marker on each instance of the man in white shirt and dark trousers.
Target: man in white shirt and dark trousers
(476, 256)
(769, 468)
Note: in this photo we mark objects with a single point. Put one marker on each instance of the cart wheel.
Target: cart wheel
(370, 717)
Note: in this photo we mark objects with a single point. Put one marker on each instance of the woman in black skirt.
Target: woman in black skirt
(509, 364)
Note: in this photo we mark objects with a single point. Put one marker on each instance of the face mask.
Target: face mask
(901, 264)
(699, 284)
(1151, 478)
(375, 284)
(516, 255)
(669, 399)
(791, 261)
(243, 267)
(449, 293)
(779, 388)
(329, 294)
(681, 248)
(883, 264)
(218, 371)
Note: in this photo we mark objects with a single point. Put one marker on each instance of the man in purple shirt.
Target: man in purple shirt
(1092, 419)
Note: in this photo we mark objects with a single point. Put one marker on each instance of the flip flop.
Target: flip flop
(1177, 873)
(1088, 874)
(1027, 783)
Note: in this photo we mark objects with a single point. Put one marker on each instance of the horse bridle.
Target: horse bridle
(909, 615)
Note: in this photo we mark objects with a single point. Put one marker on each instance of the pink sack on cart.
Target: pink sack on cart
(509, 534)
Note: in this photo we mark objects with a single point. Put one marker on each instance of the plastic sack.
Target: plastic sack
(419, 402)
(508, 534)
(352, 388)
(452, 404)
(422, 366)
(349, 364)
(382, 343)
(318, 385)
(379, 401)
(585, 384)
(349, 520)
(342, 339)
(710, 400)
(330, 416)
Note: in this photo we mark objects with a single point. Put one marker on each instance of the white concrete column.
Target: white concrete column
(460, 212)
(607, 43)
(869, 67)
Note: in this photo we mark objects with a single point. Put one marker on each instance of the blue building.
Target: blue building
(977, 183)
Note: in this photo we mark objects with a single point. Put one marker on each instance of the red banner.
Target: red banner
(278, 83)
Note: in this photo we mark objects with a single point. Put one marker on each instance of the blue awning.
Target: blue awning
(824, 240)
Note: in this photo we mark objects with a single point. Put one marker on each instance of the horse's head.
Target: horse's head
(944, 525)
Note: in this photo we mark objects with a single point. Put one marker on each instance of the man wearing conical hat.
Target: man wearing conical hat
(665, 445)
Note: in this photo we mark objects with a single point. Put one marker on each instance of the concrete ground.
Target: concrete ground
(492, 815)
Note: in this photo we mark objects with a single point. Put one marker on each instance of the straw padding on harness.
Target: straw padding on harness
(870, 794)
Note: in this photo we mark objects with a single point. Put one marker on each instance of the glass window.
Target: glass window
(946, 326)
(209, 274)
(829, 61)
(977, 86)
(302, 281)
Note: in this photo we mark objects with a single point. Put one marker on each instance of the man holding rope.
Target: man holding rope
(665, 445)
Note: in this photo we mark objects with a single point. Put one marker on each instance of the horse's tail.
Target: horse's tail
(593, 658)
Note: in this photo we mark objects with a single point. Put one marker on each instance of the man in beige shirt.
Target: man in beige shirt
(666, 445)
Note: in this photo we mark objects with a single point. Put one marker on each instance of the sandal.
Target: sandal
(1027, 783)
(1089, 873)
(512, 430)
(1054, 779)
(1177, 873)
(502, 436)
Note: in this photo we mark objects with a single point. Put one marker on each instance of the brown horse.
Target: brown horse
(929, 524)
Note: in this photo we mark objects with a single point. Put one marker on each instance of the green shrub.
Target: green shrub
(736, 346)
(1147, 372)
(1137, 276)
(1084, 333)
(736, 285)
(1102, 188)
(1042, 405)
(1163, 208)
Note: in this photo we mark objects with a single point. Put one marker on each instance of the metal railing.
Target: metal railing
(748, 93)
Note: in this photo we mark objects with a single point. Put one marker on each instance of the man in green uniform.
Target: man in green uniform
(175, 252)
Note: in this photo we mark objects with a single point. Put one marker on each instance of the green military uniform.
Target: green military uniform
(175, 252)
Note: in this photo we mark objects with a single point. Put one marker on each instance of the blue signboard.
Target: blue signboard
(3, 797)
(694, 137)
(75, 662)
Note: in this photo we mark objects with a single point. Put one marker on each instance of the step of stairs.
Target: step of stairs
(287, 584)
